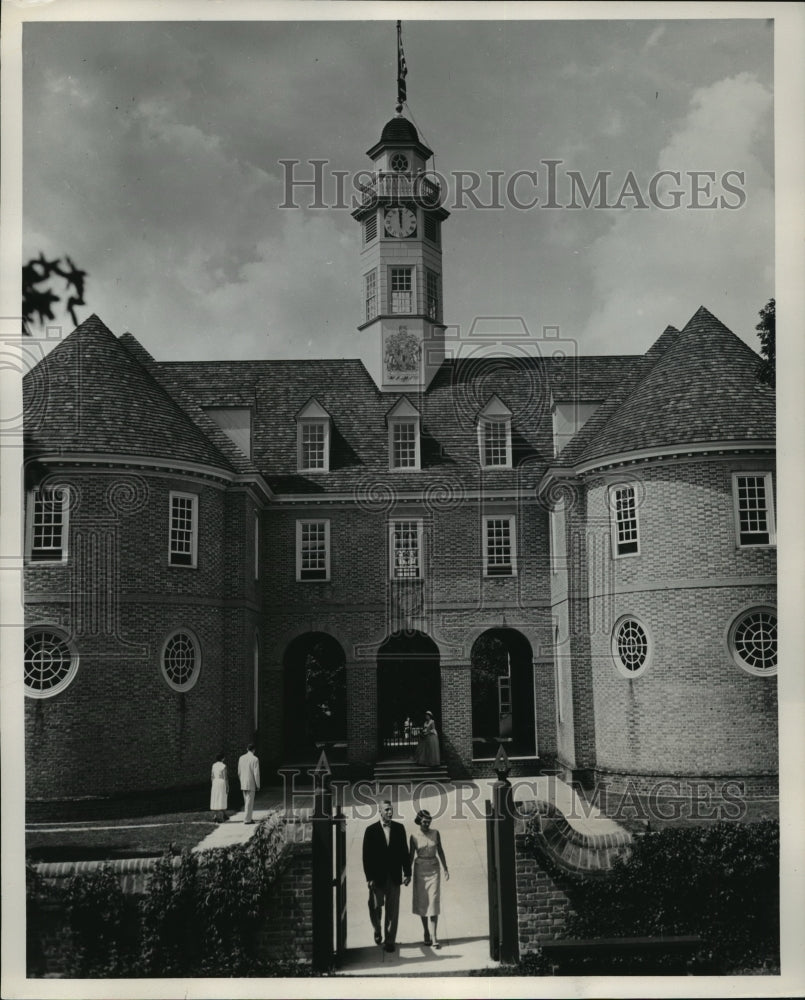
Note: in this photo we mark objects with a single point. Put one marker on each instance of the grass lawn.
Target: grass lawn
(101, 840)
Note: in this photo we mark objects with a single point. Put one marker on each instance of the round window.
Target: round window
(181, 660)
(399, 162)
(50, 662)
(631, 646)
(753, 641)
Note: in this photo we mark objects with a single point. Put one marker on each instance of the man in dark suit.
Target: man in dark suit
(387, 865)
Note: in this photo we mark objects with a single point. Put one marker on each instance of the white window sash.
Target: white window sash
(768, 498)
(616, 524)
(483, 424)
(300, 568)
(33, 497)
(302, 464)
(394, 423)
(420, 550)
(511, 520)
(193, 498)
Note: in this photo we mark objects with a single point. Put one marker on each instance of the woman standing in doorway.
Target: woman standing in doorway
(427, 752)
(426, 853)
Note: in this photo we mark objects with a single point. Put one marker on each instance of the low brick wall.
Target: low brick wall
(547, 865)
(286, 934)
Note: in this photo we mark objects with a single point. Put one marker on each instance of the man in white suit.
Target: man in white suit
(249, 774)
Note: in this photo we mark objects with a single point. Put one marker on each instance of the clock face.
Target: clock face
(400, 222)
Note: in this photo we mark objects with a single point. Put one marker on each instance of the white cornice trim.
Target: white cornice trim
(715, 449)
(158, 464)
(411, 497)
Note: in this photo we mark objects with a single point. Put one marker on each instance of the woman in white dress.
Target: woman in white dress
(426, 853)
(427, 752)
(220, 789)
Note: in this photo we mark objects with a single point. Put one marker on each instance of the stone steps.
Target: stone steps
(402, 770)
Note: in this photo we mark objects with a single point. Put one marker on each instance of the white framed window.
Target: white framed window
(752, 640)
(631, 646)
(500, 546)
(183, 534)
(180, 660)
(257, 545)
(402, 290)
(48, 524)
(623, 518)
(404, 444)
(404, 432)
(495, 435)
(754, 508)
(433, 298)
(370, 294)
(370, 229)
(405, 549)
(313, 438)
(50, 661)
(313, 550)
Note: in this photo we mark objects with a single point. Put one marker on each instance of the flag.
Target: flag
(402, 69)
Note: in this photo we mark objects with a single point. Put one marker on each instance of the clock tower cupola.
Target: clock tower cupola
(401, 257)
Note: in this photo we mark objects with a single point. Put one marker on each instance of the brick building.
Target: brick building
(573, 556)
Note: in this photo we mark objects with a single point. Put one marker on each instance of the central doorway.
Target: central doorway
(409, 683)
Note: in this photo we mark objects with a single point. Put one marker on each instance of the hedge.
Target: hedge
(198, 919)
(719, 882)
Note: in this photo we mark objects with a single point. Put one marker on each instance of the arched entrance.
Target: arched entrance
(503, 708)
(409, 683)
(315, 694)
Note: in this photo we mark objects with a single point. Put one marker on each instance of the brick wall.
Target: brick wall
(118, 600)
(285, 935)
(693, 710)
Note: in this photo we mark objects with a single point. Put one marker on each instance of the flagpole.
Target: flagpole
(402, 71)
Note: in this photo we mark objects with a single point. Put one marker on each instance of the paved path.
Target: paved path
(458, 811)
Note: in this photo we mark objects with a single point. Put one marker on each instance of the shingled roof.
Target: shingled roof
(236, 458)
(91, 395)
(277, 390)
(696, 386)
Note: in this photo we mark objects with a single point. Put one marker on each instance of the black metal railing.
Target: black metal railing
(402, 736)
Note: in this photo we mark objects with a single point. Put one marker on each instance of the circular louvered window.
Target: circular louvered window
(51, 662)
(631, 646)
(181, 660)
(753, 641)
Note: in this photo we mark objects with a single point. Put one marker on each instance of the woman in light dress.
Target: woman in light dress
(220, 789)
(427, 752)
(426, 853)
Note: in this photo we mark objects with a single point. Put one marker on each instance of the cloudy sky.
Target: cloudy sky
(151, 157)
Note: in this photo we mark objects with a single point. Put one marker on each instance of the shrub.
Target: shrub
(720, 882)
(102, 925)
(198, 916)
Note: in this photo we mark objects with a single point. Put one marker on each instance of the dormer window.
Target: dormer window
(403, 424)
(313, 438)
(495, 435)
